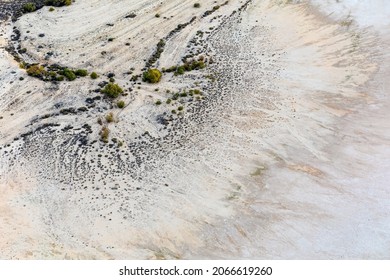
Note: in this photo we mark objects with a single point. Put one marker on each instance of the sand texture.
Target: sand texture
(284, 154)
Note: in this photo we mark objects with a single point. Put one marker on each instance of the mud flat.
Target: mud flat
(278, 148)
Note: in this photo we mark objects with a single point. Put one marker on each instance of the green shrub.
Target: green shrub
(94, 75)
(197, 5)
(187, 67)
(158, 102)
(58, 3)
(181, 108)
(180, 70)
(104, 134)
(152, 76)
(51, 9)
(110, 117)
(198, 65)
(112, 90)
(81, 72)
(121, 104)
(169, 101)
(69, 74)
(29, 7)
(36, 71)
(60, 78)
(157, 15)
(22, 65)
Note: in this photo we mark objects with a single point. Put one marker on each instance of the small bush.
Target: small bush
(121, 104)
(197, 5)
(36, 71)
(51, 9)
(157, 15)
(112, 90)
(60, 78)
(29, 7)
(58, 3)
(181, 108)
(22, 65)
(152, 76)
(187, 67)
(81, 72)
(94, 75)
(169, 101)
(69, 74)
(110, 117)
(158, 102)
(180, 70)
(104, 134)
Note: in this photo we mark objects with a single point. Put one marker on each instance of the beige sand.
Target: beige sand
(288, 158)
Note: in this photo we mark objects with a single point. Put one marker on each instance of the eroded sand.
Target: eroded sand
(287, 156)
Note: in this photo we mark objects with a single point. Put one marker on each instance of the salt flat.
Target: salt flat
(284, 155)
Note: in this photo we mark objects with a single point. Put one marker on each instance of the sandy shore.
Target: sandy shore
(285, 155)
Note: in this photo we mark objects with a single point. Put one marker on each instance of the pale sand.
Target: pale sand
(290, 160)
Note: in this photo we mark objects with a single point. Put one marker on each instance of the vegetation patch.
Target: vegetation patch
(215, 8)
(121, 104)
(104, 134)
(69, 74)
(29, 7)
(112, 90)
(152, 76)
(94, 75)
(81, 72)
(54, 73)
(157, 54)
(110, 117)
(58, 3)
(37, 71)
(186, 67)
(32, 7)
